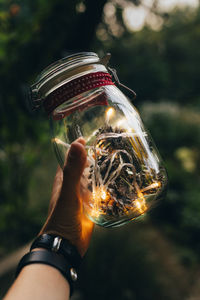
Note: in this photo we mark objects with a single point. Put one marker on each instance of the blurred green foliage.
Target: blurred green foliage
(163, 66)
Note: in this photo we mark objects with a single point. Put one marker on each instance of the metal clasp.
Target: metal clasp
(56, 244)
(116, 78)
(34, 102)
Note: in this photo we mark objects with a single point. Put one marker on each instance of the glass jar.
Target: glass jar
(124, 176)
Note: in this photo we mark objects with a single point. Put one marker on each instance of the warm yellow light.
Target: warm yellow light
(56, 140)
(95, 213)
(140, 205)
(123, 123)
(93, 194)
(100, 194)
(140, 195)
(109, 113)
(151, 186)
(60, 142)
(103, 195)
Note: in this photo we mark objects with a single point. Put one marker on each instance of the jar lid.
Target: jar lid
(66, 63)
(61, 71)
(67, 69)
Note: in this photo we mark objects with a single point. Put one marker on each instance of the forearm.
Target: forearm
(44, 282)
(39, 281)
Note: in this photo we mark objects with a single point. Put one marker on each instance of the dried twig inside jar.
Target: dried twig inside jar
(120, 182)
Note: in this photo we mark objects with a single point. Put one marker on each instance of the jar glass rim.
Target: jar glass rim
(62, 70)
(64, 63)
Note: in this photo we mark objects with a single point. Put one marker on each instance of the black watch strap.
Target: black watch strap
(49, 258)
(59, 245)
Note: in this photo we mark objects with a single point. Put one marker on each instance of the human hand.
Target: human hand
(66, 217)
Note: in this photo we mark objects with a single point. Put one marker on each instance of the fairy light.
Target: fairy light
(103, 195)
(140, 205)
(140, 202)
(109, 114)
(99, 194)
(60, 142)
(151, 186)
(95, 213)
(94, 195)
(140, 195)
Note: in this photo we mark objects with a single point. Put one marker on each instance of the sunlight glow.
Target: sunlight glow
(170, 4)
(135, 17)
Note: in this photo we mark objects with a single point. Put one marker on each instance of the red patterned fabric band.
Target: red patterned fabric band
(76, 87)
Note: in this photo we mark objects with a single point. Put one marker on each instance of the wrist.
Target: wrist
(56, 252)
(58, 245)
(40, 281)
(49, 259)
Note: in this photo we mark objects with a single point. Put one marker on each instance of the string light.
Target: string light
(99, 194)
(60, 142)
(140, 205)
(152, 186)
(109, 114)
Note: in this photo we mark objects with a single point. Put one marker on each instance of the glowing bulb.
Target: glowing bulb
(140, 205)
(140, 195)
(95, 213)
(94, 195)
(100, 194)
(103, 194)
(58, 141)
(109, 113)
(151, 186)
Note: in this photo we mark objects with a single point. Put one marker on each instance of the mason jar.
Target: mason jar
(124, 175)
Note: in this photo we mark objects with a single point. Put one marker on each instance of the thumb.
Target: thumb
(73, 169)
(66, 213)
(75, 163)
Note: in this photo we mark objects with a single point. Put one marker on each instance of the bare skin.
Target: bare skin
(65, 219)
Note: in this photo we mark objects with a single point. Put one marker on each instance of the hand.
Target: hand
(66, 217)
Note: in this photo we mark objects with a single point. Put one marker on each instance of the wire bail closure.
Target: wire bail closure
(35, 101)
(116, 78)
